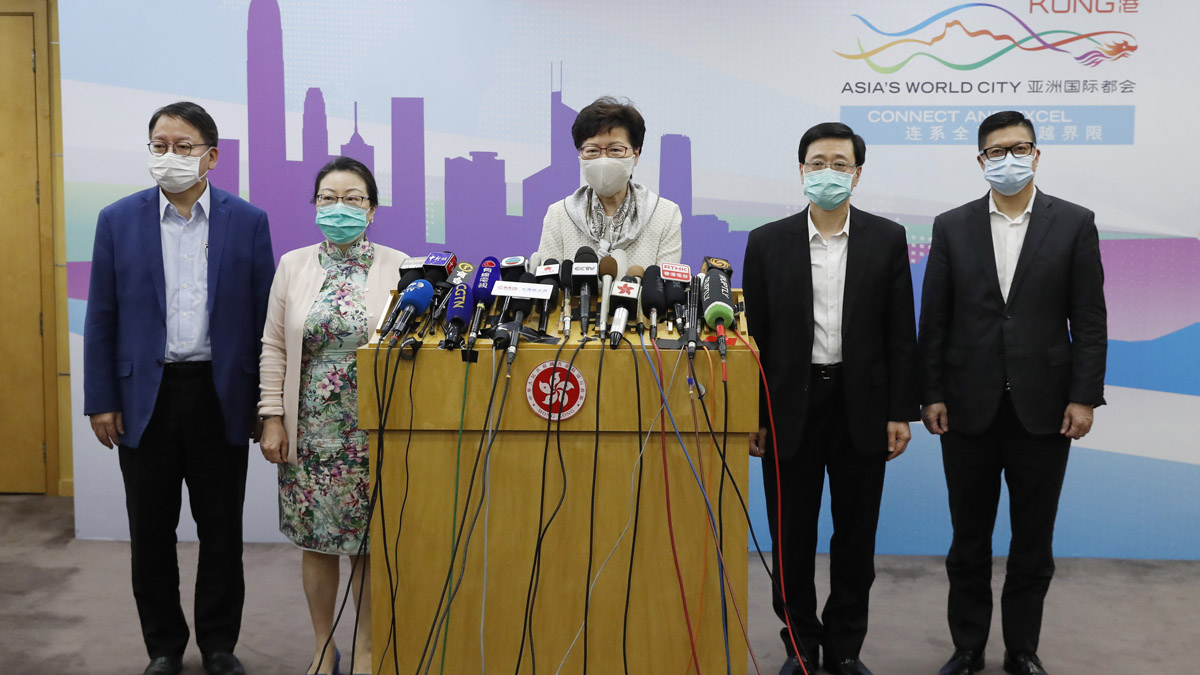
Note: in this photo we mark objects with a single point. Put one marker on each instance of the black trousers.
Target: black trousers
(185, 442)
(855, 489)
(1033, 467)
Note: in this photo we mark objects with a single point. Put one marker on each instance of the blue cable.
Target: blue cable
(712, 521)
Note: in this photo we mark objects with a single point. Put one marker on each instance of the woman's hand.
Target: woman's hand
(274, 441)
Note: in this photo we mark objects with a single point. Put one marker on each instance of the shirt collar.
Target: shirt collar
(1023, 218)
(203, 203)
(813, 232)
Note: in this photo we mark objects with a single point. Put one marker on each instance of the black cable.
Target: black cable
(562, 465)
(587, 581)
(637, 509)
(537, 551)
(458, 538)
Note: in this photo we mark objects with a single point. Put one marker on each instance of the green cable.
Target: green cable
(454, 512)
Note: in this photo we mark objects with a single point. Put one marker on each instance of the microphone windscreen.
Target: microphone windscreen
(565, 273)
(676, 293)
(635, 271)
(608, 267)
(461, 305)
(653, 293)
(409, 277)
(622, 258)
(512, 267)
(485, 278)
(586, 254)
(716, 298)
(534, 262)
(417, 295)
(436, 275)
(523, 305)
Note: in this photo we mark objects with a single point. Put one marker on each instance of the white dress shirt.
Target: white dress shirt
(829, 285)
(1008, 236)
(185, 268)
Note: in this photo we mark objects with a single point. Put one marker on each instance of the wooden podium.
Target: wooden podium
(419, 497)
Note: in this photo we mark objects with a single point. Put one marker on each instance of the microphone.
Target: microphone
(717, 304)
(612, 267)
(693, 315)
(713, 263)
(458, 315)
(624, 297)
(565, 281)
(511, 269)
(536, 260)
(460, 275)
(521, 308)
(438, 266)
(413, 303)
(548, 274)
(481, 293)
(583, 280)
(408, 275)
(654, 299)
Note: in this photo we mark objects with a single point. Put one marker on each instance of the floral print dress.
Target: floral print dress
(323, 499)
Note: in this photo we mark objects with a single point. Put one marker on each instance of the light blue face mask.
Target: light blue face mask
(1010, 174)
(827, 188)
(341, 224)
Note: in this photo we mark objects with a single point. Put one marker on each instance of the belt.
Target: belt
(187, 368)
(826, 371)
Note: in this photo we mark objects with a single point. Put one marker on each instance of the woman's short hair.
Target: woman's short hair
(353, 166)
(605, 114)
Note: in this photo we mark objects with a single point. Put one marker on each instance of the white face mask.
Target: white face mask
(607, 175)
(176, 173)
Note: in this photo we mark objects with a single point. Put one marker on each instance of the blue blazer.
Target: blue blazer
(125, 332)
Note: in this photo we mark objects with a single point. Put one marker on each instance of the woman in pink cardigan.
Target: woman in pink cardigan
(325, 301)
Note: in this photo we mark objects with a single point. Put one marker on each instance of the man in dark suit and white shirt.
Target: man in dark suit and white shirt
(1013, 341)
(829, 300)
(181, 273)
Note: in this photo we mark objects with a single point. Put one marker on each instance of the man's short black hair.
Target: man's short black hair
(834, 130)
(192, 114)
(605, 114)
(1003, 120)
(353, 166)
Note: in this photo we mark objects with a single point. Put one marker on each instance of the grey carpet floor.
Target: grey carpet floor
(66, 608)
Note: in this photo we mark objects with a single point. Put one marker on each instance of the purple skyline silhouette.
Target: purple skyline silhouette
(477, 223)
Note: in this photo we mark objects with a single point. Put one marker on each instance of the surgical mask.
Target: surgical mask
(607, 175)
(828, 188)
(341, 224)
(1009, 175)
(176, 173)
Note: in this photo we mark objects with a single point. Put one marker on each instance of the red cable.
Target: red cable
(670, 526)
(778, 501)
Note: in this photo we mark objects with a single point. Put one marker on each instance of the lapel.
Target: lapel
(801, 270)
(858, 261)
(979, 227)
(218, 228)
(150, 229)
(1040, 219)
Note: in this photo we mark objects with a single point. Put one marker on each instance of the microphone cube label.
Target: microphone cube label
(555, 390)
(585, 269)
(547, 270)
(676, 272)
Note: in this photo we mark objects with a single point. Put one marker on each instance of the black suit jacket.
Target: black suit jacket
(1048, 342)
(878, 327)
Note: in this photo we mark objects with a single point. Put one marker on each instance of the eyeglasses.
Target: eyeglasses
(839, 165)
(159, 148)
(594, 151)
(998, 152)
(357, 201)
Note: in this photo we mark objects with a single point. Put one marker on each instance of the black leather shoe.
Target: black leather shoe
(223, 663)
(164, 665)
(846, 667)
(792, 667)
(1023, 663)
(964, 662)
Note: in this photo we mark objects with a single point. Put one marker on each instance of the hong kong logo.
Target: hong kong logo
(555, 390)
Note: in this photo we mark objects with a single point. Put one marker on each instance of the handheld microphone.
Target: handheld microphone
(654, 299)
(583, 280)
(521, 308)
(565, 282)
(548, 274)
(677, 278)
(717, 304)
(714, 263)
(460, 275)
(536, 260)
(693, 315)
(612, 267)
(481, 292)
(438, 266)
(413, 303)
(624, 298)
(511, 269)
(458, 314)
(408, 275)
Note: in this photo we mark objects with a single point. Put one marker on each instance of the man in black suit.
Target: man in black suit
(1013, 340)
(829, 299)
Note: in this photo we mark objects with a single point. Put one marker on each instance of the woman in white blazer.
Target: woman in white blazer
(325, 301)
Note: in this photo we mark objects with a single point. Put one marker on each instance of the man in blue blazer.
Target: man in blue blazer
(180, 278)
